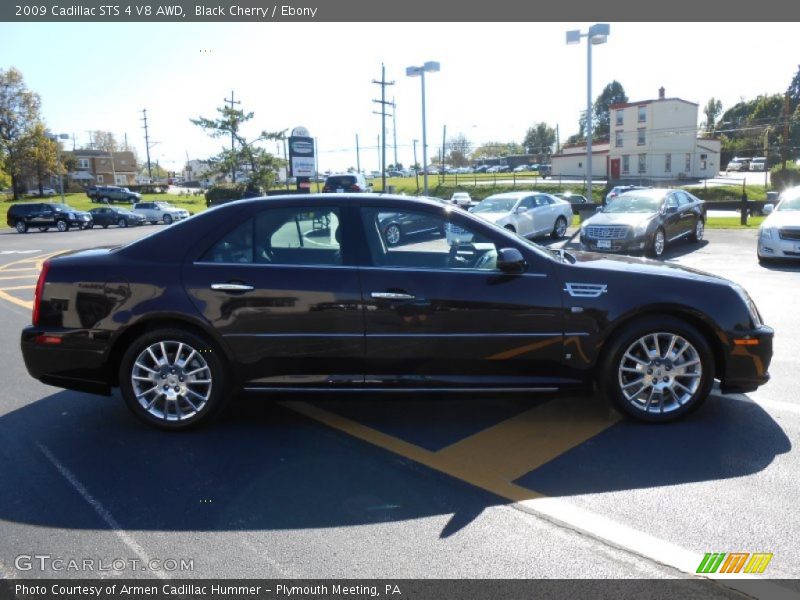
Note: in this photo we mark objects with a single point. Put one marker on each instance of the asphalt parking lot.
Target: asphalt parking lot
(305, 487)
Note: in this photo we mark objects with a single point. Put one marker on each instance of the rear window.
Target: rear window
(342, 181)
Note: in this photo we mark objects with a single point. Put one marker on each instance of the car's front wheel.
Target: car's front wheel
(559, 229)
(658, 244)
(167, 219)
(657, 369)
(104, 200)
(173, 379)
(122, 223)
(62, 226)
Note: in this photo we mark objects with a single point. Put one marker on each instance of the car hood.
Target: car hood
(644, 266)
(632, 219)
(783, 218)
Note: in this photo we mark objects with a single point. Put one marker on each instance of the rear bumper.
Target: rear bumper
(77, 362)
(748, 359)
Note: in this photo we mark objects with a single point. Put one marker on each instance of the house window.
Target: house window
(618, 137)
(123, 162)
(642, 114)
(580, 165)
(619, 114)
(642, 163)
(99, 179)
(83, 163)
(704, 161)
(626, 164)
(668, 163)
(688, 166)
(640, 138)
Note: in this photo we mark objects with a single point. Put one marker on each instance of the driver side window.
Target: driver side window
(422, 240)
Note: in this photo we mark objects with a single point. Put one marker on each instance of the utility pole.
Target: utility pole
(147, 145)
(232, 102)
(358, 156)
(394, 130)
(416, 166)
(379, 158)
(785, 146)
(558, 141)
(444, 152)
(383, 83)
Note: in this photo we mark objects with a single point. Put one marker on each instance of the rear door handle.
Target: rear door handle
(391, 296)
(231, 287)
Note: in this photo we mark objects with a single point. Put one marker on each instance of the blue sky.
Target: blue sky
(496, 79)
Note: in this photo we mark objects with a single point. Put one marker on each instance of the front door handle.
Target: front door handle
(231, 287)
(391, 296)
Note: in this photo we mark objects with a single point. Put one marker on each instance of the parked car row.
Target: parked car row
(738, 163)
(44, 215)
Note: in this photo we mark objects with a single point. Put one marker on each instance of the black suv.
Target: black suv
(43, 216)
(111, 193)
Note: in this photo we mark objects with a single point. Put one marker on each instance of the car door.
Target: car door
(546, 213)
(525, 216)
(41, 215)
(688, 213)
(442, 315)
(671, 216)
(281, 288)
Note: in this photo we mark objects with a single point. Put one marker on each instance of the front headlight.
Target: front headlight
(755, 316)
(766, 233)
(641, 228)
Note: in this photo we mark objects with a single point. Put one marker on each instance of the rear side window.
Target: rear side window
(344, 181)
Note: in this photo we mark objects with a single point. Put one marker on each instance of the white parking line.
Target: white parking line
(104, 514)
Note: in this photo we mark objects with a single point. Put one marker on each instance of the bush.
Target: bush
(781, 179)
(225, 192)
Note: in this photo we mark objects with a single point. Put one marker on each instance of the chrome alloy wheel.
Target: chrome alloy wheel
(561, 227)
(659, 243)
(660, 372)
(393, 235)
(171, 380)
(699, 230)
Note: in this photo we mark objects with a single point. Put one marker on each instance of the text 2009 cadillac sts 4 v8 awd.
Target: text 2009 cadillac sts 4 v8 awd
(305, 293)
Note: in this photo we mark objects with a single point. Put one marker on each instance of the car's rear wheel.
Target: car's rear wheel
(122, 223)
(559, 229)
(658, 244)
(173, 379)
(104, 200)
(167, 219)
(62, 226)
(21, 226)
(699, 231)
(392, 234)
(657, 369)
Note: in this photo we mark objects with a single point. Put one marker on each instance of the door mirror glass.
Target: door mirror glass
(510, 260)
(768, 208)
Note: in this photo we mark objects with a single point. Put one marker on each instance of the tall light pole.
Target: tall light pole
(597, 34)
(55, 137)
(428, 67)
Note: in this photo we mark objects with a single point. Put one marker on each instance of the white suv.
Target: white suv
(154, 212)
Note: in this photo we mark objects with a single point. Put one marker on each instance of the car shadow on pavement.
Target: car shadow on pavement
(264, 466)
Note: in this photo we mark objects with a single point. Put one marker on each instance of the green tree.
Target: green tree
(539, 139)
(19, 113)
(612, 94)
(496, 149)
(794, 90)
(39, 155)
(712, 111)
(263, 165)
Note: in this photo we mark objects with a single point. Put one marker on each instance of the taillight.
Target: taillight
(355, 188)
(37, 296)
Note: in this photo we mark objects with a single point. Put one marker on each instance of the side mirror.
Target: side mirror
(598, 208)
(768, 208)
(510, 260)
(671, 210)
(519, 210)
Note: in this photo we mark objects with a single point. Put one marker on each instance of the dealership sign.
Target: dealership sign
(301, 153)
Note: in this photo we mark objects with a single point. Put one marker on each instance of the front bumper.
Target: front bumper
(747, 361)
(628, 245)
(778, 248)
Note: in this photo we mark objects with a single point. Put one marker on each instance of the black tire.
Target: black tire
(563, 223)
(699, 229)
(167, 219)
(206, 352)
(21, 226)
(43, 229)
(122, 223)
(612, 377)
(104, 200)
(105, 226)
(511, 228)
(62, 226)
(656, 249)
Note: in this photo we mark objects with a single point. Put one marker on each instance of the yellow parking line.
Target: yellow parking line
(527, 441)
(37, 260)
(23, 303)
(17, 287)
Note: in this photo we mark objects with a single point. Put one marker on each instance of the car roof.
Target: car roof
(514, 195)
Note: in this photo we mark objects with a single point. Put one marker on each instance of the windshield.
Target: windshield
(790, 203)
(495, 205)
(631, 203)
(63, 208)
